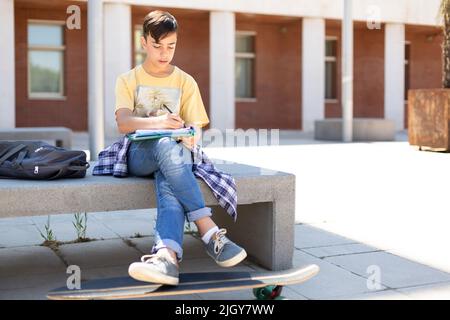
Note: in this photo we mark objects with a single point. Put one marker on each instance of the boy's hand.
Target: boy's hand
(190, 142)
(171, 121)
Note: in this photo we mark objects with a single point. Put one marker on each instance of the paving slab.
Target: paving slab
(34, 260)
(395, 271)
(378, 295)
(331, 281)
(36, 288)
(339, 250)
(129, 227)
(291, 294)
(128, 223)
(440, 291)
(307, 236)
(194, 248)
(17, 235)
(356, 228)
(143, 244)
(15, 221)
(26, 280)
(99, 254)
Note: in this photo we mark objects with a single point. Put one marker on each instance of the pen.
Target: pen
(167, 108)
(184, 126)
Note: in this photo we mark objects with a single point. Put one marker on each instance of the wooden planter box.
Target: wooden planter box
(428, 119)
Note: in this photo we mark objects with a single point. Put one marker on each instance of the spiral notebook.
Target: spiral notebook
(160, 133)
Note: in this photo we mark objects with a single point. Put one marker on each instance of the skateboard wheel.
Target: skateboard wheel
(260, 293)
(267, 293)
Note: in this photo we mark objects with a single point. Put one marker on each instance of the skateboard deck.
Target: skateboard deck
(190, 283)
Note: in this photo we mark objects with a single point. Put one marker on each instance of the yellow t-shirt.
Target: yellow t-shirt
(146, 95)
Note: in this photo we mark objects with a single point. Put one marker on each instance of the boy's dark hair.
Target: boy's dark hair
(159, 24)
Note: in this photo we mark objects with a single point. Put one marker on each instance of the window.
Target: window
(139, 52)
(245, 65)
(407, 67)
(45, 59)
(331, 68)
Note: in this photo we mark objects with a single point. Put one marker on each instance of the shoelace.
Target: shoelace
(149, 258)
(220, 240)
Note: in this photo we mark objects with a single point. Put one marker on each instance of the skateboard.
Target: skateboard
(265, 285)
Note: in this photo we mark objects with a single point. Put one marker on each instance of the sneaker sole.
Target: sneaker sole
(140, 272)
(233, 261)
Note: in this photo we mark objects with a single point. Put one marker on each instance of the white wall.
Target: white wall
(117, 58)
(7, 60)
(222, 64)
(313, 71)
(394, 74)
(395, 11)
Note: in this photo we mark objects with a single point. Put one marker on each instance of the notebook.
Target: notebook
(160, 133)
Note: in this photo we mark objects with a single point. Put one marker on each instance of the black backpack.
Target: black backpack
(38, 160)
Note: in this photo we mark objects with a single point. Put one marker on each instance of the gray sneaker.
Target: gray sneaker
(156, 268)
(224, 251)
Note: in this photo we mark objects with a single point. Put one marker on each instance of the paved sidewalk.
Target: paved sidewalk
(369, 214)
(29, 271)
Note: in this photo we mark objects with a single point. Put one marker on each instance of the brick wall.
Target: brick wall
(278, 76)
(368, 86)
(277, 63)
(425, 66)
(71, 112)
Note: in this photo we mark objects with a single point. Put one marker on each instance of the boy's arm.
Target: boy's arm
(192, 109)
(128, 123)
(190, 142)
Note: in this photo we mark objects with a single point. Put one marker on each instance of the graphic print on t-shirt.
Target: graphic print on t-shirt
(150, 101)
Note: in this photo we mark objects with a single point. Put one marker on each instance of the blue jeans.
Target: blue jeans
(178, 194)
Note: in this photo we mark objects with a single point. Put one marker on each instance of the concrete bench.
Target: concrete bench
(62, 135)
(364, 129)
(265, 224)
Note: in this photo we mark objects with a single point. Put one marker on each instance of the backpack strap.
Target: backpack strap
(79, 167)
(4, 151)
(12, 152)
(20, 157)
(73, 167)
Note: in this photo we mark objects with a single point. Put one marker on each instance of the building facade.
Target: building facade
(258, 63)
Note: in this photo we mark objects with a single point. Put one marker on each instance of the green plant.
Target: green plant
(80, 225)
(48, 236)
